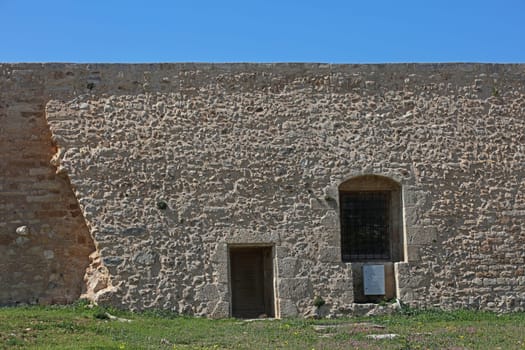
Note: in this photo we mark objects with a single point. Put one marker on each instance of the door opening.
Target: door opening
(251, 273)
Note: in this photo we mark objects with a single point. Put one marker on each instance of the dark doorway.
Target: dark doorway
(251, 282)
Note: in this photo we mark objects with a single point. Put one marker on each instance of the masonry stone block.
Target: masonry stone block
(329, 254)
(289, 288)
(287, 267)
(288, 308)
(422, 235)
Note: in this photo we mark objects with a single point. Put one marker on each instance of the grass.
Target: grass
(80, 327)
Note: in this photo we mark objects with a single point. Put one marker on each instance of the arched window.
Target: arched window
(371, 221)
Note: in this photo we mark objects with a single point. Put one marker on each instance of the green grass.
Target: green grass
(80, 327)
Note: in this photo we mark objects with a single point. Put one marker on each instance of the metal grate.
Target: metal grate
(365, 225)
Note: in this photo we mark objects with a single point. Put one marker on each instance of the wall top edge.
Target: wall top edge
(64, 81)
(285, 65)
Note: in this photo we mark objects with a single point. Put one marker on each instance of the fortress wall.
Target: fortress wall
(254, 154)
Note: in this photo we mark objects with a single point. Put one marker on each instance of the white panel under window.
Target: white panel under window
(374, 279)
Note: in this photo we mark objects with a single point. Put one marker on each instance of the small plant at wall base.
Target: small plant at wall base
(386, 302)
(318, 303)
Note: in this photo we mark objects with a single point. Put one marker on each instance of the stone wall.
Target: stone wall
(253, 155)
(44, 242)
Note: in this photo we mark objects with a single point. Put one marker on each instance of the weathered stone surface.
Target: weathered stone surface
(112, 260)
(288, 267)
(134, 231)
(291, 287)
(254, 154)
(22, 230)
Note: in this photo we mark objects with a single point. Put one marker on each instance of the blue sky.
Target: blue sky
(331, 31)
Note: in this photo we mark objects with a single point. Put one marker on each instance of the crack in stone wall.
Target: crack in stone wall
(97, 281)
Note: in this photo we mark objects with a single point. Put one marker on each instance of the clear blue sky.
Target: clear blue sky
(332, 31)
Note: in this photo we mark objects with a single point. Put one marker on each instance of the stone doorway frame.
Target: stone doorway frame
(269, 281)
